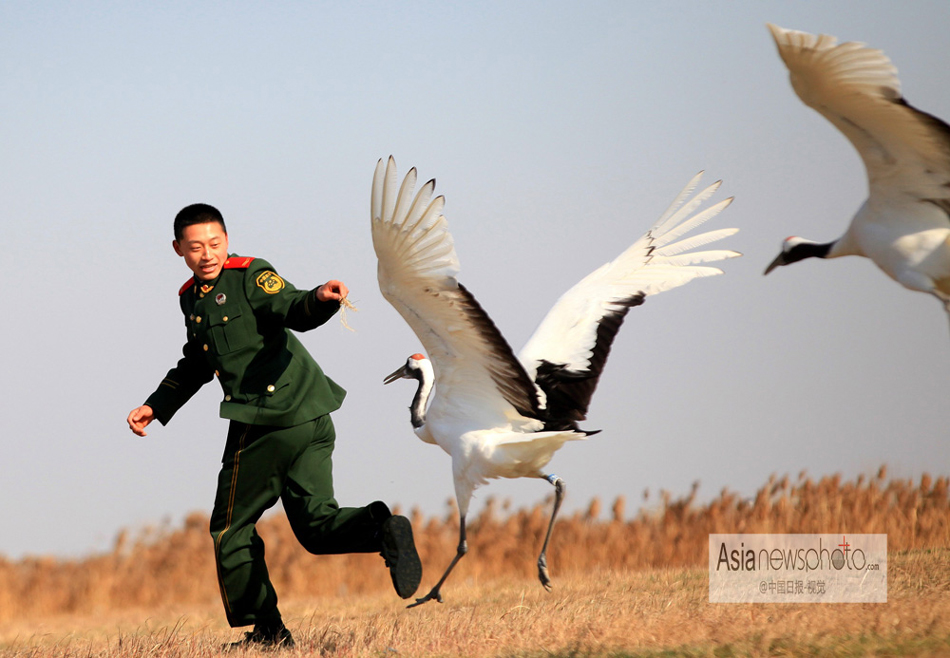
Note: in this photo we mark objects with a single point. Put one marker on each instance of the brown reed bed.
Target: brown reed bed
(605, 613)
(173, 568)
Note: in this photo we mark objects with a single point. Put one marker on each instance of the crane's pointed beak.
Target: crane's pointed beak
(401, 373)
(779, 260)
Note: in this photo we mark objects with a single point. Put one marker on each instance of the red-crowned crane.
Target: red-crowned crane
(904, 225)
(495, 414)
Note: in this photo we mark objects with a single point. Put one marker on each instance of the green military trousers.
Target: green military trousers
(260, 465)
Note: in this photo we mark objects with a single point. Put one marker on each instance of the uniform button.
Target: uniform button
(224, 319)
(198, 319)
(227, 398)
(201, 294)
(205, 348)
(270, 389)
(191, 317)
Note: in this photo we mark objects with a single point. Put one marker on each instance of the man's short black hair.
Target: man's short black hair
(197, 213)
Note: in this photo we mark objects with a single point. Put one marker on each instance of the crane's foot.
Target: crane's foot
(435, 594)
(543, 573)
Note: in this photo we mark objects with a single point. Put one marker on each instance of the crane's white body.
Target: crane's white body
(903, 226)
(914, 251)
(511, 451)
(495, 414)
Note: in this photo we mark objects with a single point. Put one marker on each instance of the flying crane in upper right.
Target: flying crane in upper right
(904, 225)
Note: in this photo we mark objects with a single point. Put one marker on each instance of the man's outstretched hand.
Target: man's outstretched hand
(139, 418)
(332, 291)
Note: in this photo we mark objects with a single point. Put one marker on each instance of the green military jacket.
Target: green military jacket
(239, 330)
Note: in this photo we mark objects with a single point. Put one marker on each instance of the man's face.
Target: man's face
(204, 248)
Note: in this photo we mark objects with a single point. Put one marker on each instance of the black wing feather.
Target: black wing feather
(569, 391)
(505, 369)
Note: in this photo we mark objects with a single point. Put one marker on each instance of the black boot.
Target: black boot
(399, 551)
(273, 635)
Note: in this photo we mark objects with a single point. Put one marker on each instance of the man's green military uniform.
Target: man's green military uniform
(281, 437)
(237, 329)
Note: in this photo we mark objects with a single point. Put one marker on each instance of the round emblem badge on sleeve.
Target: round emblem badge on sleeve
(269, 282)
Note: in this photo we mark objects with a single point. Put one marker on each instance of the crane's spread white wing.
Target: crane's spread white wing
(567, 352)
(417, 269)
(904, 150)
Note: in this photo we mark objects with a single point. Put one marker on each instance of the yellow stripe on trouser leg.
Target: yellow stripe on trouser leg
(235, 469)
(247, 486)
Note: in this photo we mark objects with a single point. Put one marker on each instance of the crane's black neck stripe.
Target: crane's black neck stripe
(417, 409)
(808, 250)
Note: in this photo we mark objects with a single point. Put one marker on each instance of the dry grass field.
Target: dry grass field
(622, 587)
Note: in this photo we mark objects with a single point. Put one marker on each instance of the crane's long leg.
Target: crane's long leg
(462, 549)
(559, 487)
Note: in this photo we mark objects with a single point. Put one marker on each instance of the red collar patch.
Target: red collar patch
(238, 262)
(190, 282)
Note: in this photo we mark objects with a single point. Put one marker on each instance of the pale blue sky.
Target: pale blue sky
(558, 132)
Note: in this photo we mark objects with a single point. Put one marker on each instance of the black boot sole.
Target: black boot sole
(407, 571)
